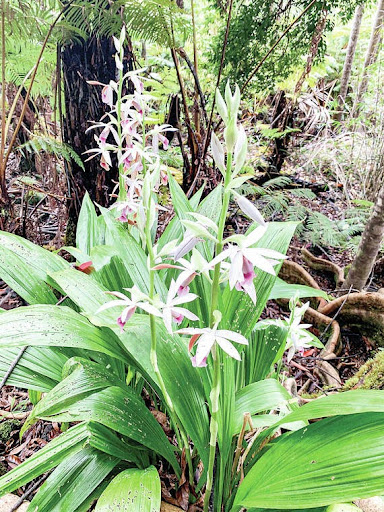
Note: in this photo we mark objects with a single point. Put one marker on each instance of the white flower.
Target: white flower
(137, 300)
(171, 310)
(298, 337)
(207, 337)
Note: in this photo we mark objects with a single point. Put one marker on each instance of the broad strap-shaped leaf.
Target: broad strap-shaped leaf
(182, 381)
(38, 369)
(131, 253)
(56, 326)
(266, 345)
(350, 402)
(85, 378)
(283, 290)
(260, 396)
(89, 231)
(123, 411)
(24, 267)
(132, 490)
(73, 481)
(45, 459)
(335, 460)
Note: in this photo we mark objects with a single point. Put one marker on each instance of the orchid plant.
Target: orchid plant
(173, 317)
(235, 258)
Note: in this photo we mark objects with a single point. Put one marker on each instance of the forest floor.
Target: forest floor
(40, 216)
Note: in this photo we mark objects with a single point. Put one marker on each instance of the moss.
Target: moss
(6, 427)
(3, 469)
(370, 375)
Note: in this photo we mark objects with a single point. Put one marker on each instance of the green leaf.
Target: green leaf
(45, 459)
(283, 290)
(56, 326)
(350, 402)
(330, 461)
(266, 346)
(73, 481)
(38, 369)
(24, 267)
(257, 397)
(182, 381)
(132, 490)
(88, 230)
(131, 253)
(123, 411)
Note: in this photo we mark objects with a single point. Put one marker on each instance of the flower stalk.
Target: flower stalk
(215, 391)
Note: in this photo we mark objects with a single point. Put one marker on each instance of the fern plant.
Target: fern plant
(314, 227)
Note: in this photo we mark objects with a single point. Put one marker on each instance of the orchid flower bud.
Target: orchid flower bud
(122, 35)
(119, 64)
(221, 106)
(218, 153)
(240, 150)
(250, 209)
(231, 134)
(116, 43)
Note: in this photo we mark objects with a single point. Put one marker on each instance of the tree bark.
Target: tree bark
(369, 247)
(371, 55)
(351, 50)
(81, 61)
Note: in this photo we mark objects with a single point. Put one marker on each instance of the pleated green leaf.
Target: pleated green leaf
(182, 381)
(88, 231)
(257, 397)
(131, 253)
(73, 481)
(24, 267)
(335, 460)
(123, 411)
(56, 326)
(266, 345)
(283, 290)
(38, 369)
(350, 402)
(133, 490)
(45, 459)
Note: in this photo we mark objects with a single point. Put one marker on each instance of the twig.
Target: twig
(27, 493)
(336, 314)
(256, 69)
(9, 415)
(12, 367)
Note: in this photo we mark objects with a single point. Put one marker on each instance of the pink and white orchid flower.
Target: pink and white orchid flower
(172, 311)
(244, 258)
(206, 338)
(137, 300)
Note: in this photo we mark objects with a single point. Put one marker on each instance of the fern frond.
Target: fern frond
(51, 146)
(158, 21)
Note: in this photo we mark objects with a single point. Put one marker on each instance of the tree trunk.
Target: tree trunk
(368, 248)
(351, 50)
(371, 55)
(82, 61)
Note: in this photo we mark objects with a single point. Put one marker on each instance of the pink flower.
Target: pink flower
(137, 300)
(244, 258)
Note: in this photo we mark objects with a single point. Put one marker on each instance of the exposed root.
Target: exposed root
(294, 273)
(321, 264)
